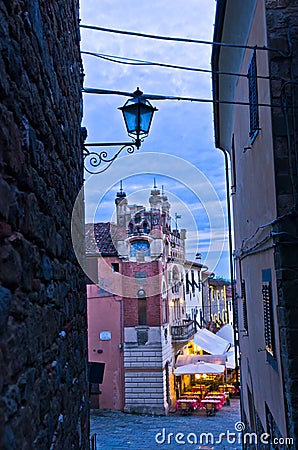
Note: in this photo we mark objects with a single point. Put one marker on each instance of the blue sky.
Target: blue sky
(180, 147)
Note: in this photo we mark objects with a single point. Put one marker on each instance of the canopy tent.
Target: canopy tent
(230, 355)
(210, 342)
(193, 359)
(200, 368)
(227, 333)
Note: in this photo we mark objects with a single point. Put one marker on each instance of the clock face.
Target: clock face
(140, 246)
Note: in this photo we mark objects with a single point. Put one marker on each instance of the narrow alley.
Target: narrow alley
(117, 430)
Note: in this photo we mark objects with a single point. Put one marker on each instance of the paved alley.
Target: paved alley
(116, 430)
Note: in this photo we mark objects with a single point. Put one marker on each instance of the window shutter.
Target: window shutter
(253, 96)
(268, 311)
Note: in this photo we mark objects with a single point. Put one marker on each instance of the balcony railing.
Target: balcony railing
(183, 332)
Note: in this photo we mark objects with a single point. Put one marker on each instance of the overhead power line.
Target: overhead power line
(171, 97)
(179, 39)
(139, 62)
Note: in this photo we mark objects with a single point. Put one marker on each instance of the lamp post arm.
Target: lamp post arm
(98, 162)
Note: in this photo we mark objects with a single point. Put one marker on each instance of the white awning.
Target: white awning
(199, 368)
(182, 360)
(210, 342)
(227, 333)
(231, 363)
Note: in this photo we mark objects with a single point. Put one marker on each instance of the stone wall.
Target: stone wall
(282, 23)
(43, 402)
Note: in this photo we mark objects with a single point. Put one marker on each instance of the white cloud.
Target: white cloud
(182, 129)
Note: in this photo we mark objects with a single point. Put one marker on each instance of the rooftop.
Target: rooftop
(98, 238)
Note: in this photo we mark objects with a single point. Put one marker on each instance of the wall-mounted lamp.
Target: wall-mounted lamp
(137, 113)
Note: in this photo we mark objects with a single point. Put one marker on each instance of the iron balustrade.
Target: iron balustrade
(183, 332)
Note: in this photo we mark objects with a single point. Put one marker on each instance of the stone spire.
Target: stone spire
(121, 207)
(155, 198)
(120, 195)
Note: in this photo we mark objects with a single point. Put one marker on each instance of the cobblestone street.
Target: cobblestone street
(116, 430)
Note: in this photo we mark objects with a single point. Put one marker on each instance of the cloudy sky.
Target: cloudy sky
(179, 151)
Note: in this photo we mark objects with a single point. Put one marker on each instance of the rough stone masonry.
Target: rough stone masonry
(43, 402)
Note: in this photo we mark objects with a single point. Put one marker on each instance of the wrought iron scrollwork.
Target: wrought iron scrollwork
(96, 162)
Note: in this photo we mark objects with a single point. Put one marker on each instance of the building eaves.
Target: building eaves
(215, 283)
(188, 263)
(217, 37)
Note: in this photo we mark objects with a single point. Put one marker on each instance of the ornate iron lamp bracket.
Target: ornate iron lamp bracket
(138, 114)
(96, 162)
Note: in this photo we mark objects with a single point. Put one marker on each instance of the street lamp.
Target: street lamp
(137, 113)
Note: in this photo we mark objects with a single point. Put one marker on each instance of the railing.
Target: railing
(93, 442)
(183, 332)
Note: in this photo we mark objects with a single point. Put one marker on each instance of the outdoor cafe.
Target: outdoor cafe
(197, 395)
(201, 380)
(198, 381)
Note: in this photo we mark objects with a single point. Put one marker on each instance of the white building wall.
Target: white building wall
(145, 371)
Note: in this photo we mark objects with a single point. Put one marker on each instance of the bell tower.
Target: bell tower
(155, 201)
(121, 207)
(122, 217)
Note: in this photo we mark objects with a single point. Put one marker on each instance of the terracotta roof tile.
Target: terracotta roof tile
(98, 238)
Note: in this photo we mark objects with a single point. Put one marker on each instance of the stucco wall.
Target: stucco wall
(104, 315)
(254, 205)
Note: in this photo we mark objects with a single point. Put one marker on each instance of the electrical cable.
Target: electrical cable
(139, 62)
(179, 39)
(260, 227)
(258, 244)
(169, 97)
(240, 254)
(253, 252)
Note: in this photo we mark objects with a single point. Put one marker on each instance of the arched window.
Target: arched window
(142, 308)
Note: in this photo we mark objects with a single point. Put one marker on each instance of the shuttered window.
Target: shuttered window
(187, 282)
(253, 97)
(268, 311)
(244, 306)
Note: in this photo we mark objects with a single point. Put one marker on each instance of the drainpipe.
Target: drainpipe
(225, 152)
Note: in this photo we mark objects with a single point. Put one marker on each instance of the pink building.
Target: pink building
(136, 306)
(105, 318)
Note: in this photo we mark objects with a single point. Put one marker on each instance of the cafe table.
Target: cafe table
(215, 402)
(216, 396)
(227, 387)
(195, 395)
(222, 394)
(187, 404)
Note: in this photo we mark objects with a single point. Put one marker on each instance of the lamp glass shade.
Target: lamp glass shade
(138, 114)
